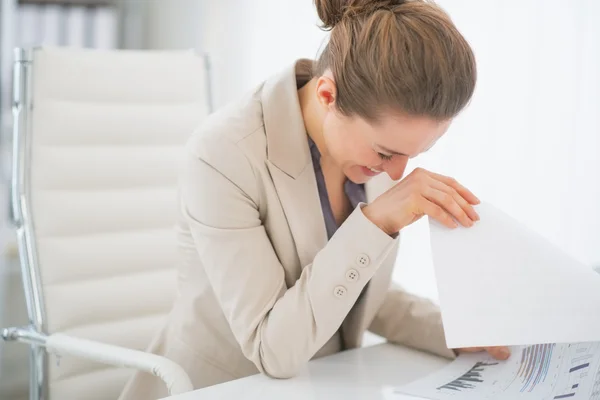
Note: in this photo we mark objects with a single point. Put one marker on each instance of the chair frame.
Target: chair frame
(34, 334)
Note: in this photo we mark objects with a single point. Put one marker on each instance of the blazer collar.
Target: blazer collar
(287, 143)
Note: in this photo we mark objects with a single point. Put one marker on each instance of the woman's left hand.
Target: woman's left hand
(498, 352)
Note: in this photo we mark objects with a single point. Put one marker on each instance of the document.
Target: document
(539, 372)
(500, 283)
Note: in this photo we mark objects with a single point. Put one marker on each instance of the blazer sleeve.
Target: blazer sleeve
(278, 328)
(411, 320)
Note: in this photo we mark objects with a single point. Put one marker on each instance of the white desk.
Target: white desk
(355, 374)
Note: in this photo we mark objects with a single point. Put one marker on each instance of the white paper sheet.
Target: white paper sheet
(500, 283)
(391, 393)
(539, 372)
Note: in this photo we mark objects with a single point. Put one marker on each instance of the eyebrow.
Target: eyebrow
(392, 152)
(396, 153)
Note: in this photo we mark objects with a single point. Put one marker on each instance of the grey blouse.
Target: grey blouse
(355, 192)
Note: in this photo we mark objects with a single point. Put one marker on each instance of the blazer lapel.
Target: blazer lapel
(301, 205)
(290, 164)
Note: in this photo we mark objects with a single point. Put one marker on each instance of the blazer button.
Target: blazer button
(339, 292)
(363, 260)
(352, 275)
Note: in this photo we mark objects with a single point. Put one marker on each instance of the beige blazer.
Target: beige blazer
(260, 287)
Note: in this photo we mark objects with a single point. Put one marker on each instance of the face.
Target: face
(364, 150)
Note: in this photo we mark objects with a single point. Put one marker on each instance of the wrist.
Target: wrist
(378, 220)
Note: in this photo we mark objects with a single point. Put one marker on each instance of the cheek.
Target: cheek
(347, 146)
(363, 154)
(360, 154)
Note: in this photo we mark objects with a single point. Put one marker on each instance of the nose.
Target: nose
(395, 167)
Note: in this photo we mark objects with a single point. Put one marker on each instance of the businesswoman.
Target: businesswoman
(287, 238)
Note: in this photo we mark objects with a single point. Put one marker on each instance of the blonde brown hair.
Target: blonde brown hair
(394, 55)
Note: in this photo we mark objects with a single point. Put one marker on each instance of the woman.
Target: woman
(287, 250)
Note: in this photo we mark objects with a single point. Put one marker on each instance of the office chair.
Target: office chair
(97, 136)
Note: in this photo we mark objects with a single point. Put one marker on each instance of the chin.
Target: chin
(357, 176)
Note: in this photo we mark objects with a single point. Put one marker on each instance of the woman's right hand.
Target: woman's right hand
(423, 193)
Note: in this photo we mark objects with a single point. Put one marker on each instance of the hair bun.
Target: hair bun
(331, 12)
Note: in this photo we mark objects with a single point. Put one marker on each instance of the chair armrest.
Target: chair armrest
(172, 374)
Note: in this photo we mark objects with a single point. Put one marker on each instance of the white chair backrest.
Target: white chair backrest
(107, 130)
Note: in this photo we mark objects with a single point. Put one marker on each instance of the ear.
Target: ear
(326, 91)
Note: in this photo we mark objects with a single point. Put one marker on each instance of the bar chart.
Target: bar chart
(576, 371)
(536, 372)
(470, 379)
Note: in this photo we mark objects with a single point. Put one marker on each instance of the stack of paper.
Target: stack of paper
(499, 284)
(538, 372)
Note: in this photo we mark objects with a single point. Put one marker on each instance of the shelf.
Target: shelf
(91, 3)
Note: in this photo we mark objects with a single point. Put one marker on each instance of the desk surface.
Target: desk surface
(355, 374)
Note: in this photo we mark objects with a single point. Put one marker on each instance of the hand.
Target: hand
(423, 193)
(499, 352)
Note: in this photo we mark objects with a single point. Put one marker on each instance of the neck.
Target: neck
(313, 116)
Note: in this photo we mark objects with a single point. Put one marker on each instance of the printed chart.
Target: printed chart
(540, 372)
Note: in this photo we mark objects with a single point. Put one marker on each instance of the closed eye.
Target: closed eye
(385, 157)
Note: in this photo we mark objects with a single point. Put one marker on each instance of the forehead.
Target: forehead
(406, 134)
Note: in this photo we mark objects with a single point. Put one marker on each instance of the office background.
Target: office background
(529, 142)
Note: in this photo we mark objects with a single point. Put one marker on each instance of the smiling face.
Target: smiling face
(402, 64)
(363, 150)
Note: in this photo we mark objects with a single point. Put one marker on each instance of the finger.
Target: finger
(464, 204)
(447, 202)
(463, 191)
(436, 212)
(499, 353)
(471, 349)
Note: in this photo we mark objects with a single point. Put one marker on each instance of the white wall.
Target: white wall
(529, 142)
(252, 39)
(171, 23)
(247, 40)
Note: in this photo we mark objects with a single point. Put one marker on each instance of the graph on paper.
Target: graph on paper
(540, 372)
(534, 365)
(469, 379)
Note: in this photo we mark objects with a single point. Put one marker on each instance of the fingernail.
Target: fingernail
(505, 353)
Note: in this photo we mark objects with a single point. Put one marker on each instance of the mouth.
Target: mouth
(368, 171)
